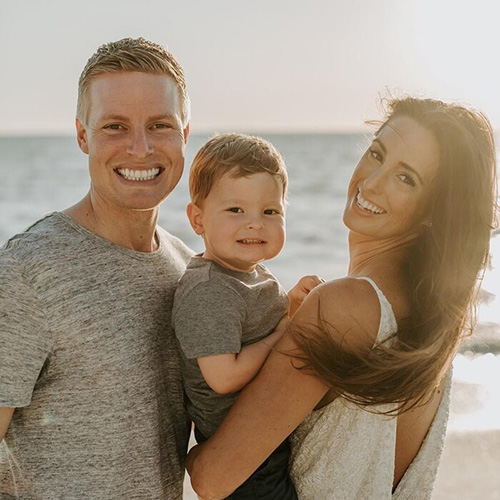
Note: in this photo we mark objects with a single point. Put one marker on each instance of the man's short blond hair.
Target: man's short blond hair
(132, 54)
(238, 154)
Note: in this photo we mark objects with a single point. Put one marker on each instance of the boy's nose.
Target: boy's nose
(255, 223)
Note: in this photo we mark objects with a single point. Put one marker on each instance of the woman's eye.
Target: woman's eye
(407, 179)
(375, 154)
(271, 211)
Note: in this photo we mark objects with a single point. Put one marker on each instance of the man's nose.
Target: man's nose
(140, 144)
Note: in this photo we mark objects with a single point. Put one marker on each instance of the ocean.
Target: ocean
(43, 174)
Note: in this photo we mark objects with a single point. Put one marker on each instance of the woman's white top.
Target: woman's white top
(344, 452)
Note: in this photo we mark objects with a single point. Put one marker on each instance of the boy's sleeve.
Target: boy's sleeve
(24, 339)
(209, 320)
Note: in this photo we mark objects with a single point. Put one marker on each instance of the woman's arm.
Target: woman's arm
(265, 413)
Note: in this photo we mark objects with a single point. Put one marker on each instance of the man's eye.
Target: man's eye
(160, 126)
(113, 126)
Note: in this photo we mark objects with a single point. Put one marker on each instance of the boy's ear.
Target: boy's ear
(195, 216)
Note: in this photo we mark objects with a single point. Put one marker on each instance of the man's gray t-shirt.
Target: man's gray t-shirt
(89, 360)
(219, 311)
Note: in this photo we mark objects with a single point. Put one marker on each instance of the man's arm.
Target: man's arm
(226, 373)
(5, 418)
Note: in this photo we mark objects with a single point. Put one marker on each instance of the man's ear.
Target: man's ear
(185, 133)
(195, 216)
(81, 136)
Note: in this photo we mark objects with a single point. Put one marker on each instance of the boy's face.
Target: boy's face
(242, 220)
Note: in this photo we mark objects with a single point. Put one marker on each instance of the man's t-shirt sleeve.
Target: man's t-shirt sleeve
(209, 321)
(24, 338)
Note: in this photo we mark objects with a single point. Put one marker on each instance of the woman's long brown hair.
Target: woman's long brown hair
(444, 269)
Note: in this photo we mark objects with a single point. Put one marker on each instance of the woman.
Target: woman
(371, 353)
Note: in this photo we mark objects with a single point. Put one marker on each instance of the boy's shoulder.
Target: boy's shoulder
(201, 271)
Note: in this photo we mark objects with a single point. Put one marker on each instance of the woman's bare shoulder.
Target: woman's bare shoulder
(348, 308)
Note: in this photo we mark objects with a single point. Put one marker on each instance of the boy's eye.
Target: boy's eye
(235, 210)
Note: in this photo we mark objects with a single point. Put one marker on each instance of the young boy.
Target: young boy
(227, 305)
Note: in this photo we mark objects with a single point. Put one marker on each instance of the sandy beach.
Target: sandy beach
(470, 467)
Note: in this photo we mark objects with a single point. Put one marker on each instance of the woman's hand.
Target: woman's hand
(300, 291)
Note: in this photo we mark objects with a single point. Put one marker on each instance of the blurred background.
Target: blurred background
(305, 75)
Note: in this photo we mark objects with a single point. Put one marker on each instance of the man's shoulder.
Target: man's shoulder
(33, 237)
(174, 245)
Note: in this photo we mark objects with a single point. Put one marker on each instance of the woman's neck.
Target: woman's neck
(368, 256)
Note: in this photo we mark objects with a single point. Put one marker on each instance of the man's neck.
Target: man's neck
(132, 229)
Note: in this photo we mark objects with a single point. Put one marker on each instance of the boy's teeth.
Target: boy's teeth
(139, 175)
(368, 206)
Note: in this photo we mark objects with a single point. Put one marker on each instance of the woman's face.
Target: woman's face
(389, 190)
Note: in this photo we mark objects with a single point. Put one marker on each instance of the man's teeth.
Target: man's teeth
(251, 241)
(139, 175)
(368, 206)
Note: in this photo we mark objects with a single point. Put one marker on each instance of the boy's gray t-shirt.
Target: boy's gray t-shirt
(89, 360)
(219, 311)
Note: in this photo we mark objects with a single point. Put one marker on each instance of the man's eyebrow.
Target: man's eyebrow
(163, 116)
(118, 118)
(402, 163)
(122, 118)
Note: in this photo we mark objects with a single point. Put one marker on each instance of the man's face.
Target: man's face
(135, 139)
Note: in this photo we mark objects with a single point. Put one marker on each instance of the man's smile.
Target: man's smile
(139, 175)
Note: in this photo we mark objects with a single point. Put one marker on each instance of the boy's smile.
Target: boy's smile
(242, 220)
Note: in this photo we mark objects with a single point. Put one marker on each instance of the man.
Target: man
(89, 372)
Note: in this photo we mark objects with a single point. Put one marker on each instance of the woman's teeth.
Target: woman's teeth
(139, 175)
(367, 205)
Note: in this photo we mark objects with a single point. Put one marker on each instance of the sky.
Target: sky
(261, 65)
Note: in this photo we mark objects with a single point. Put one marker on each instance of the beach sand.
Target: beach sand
(470, 467)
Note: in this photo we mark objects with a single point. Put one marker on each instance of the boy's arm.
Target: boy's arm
(299, 292)
(226, 373)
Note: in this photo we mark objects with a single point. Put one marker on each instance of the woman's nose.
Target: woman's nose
(375, 182)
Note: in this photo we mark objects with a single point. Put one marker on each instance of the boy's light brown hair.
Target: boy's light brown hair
(131, 54)
(238, 154)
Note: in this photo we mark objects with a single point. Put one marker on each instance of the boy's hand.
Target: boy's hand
(299, 292)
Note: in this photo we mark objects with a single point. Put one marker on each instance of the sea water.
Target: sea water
(43, 174)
